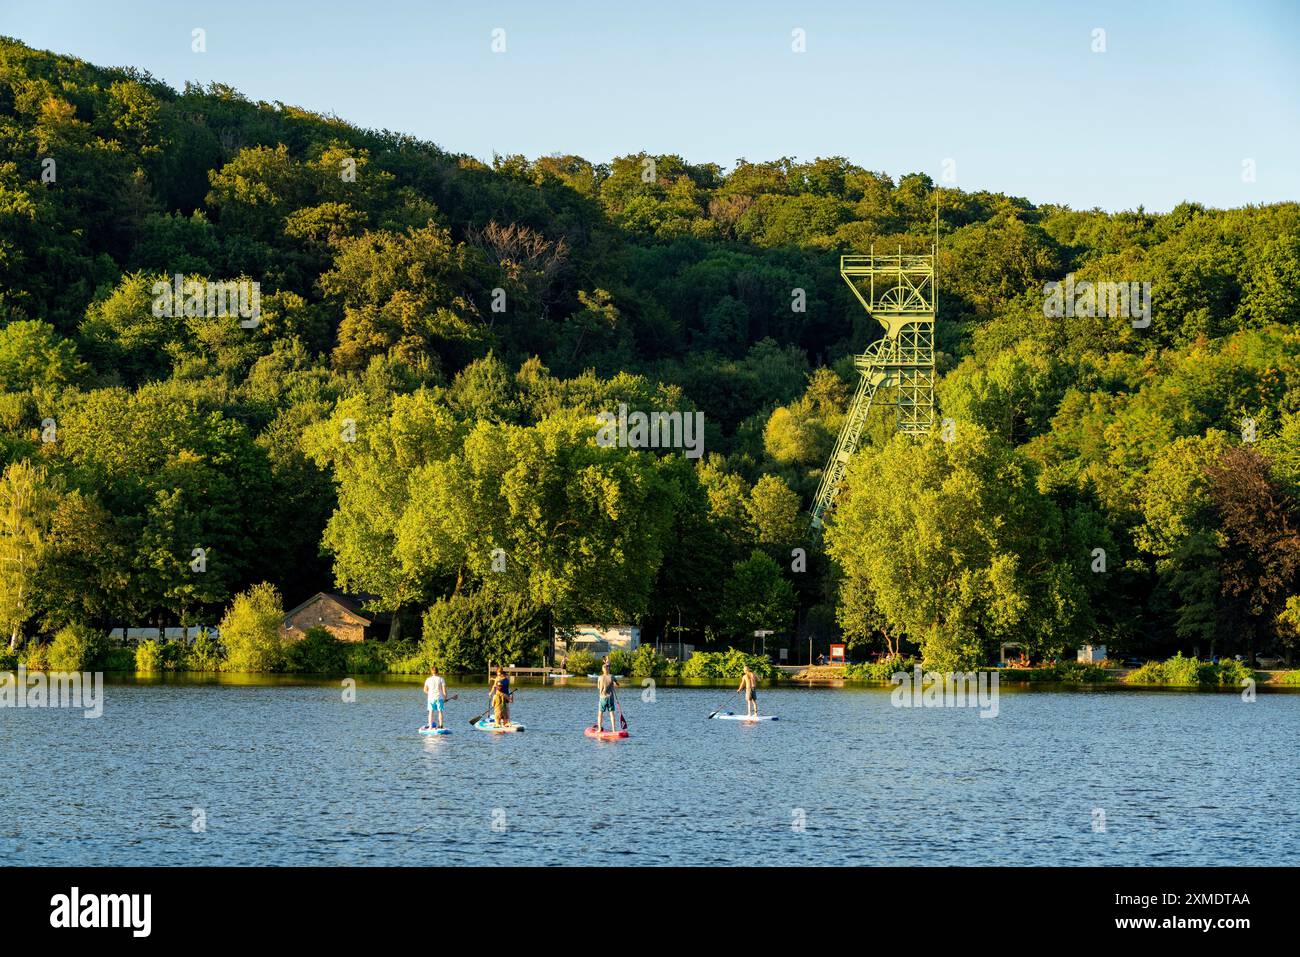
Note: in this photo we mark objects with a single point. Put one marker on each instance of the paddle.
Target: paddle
(620, 713)
(476, 720)
(715, 713)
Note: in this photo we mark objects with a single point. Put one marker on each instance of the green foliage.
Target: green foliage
(317, 652)
(148, 657)
(620, 661)
(1067, 672)
(581, 662)
(727, 664)
(881, 670)
(917, 562)
(204, 653)
(647, 663)
(251, 630)
(76, 648)
(119, 659)
(1190, 672)
(465, 634)
(364, 658)
(32, 353)
(757, 597)
(35, 656)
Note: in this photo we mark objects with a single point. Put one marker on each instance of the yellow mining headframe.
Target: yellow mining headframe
(898, 292)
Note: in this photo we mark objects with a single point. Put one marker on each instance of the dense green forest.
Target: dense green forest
(412, 415)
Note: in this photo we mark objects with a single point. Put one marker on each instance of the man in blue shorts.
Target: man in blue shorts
(435, 690)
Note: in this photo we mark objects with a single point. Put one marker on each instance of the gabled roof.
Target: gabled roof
(350, 605)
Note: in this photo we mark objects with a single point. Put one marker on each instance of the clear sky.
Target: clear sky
(1009, 90)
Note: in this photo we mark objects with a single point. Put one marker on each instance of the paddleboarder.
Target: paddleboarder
(501, 697)
(605, 686)
(749, 685)
(435, 690)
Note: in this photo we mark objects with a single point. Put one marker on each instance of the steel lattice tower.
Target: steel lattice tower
(898, 292)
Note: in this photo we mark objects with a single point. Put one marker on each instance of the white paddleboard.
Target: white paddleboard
(491, 726)
(728, 716)
(435, 730)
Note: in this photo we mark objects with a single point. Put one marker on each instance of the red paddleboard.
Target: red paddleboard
(604, 735)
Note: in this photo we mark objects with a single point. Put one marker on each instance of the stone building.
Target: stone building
(340, 614)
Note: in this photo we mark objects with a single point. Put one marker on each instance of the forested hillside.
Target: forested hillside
(412, 415)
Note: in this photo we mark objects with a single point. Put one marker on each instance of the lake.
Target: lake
(283, 771)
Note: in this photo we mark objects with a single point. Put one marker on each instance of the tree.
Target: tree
(32, 353)
(465, 634)
(774, 513)
(27, 500)
(1259, 523)
(251, 630)
(757, 596)
(409, 294)
(951, 545)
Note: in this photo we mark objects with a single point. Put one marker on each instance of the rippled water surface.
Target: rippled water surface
(288, 773)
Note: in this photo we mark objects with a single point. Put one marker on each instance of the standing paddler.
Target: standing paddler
(749, 685)
(501, 698)
(605, 686)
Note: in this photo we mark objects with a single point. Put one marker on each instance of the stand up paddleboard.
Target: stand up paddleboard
(487, 724)
(604, 735)
(728, 716)
(435, 730)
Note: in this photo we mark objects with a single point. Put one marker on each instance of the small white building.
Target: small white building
(1092, 654)
(599, 640)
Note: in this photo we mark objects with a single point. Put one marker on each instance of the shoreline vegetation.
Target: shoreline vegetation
(320, 654)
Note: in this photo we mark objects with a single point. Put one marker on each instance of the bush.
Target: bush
(76, 648)
(364, 658)
(1068, 672)
(1289, 678)
(1078, 672)
(466, 633)
(118, 658)
(726, 664)
(204, 653)
(1229, 672)
(1190, 672)
(648, 663)
(408, 658)
(148, 657)
(317, 652)
(882, 670)
(8, 659)
(34, 656)
(620, 662)
(581, 662)
(250, 630)
(1182, 671)
(1150, 673)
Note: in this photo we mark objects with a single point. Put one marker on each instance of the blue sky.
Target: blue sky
(1010, 91)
